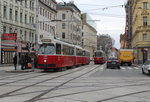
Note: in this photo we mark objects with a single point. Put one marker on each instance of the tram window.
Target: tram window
(98, 54)
(84, 53)
(78, 52)
(47, 49)
(67, 50)
(58, 48)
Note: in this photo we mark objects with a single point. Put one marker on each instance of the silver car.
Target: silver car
(146, 67)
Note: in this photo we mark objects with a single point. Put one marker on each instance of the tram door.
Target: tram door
(58, 48)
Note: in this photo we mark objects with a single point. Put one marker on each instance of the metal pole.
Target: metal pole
(17, 43)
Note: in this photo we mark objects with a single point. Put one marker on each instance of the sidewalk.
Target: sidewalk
(10, 68)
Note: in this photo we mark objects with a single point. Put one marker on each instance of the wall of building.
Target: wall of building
(72, 21)
(89, 35)
(47, 19)
(16, 17)
(141, 38)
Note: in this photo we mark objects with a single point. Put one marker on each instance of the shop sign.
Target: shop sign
(9, 36)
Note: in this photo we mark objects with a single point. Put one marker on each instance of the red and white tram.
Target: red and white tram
(99, 57)
(54, 54)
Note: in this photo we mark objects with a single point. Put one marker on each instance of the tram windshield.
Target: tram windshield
(98, 54)
(47, 49)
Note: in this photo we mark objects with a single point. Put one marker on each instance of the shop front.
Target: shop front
(8, 47)
(7, 55)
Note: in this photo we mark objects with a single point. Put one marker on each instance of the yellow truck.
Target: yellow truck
(126, 56)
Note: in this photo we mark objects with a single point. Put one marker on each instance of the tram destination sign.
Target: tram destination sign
(46, 40)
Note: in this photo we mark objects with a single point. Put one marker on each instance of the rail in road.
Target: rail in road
(55, 77)
(114, 87)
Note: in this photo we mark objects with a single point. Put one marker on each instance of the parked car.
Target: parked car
(113, 63)
(146, 67)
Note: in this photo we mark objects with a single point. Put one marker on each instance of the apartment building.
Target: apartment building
(46, 19)
(89, 34)
(141, 29)
(17, 18)
(128, 28)
(70, 27)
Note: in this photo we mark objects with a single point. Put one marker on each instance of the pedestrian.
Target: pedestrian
(28, 61)
(35, 61)
(22, 62)
(15, 61)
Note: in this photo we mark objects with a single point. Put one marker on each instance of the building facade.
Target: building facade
(89, 34)
(141, 29)
(70, 27)
(128, 28)
(123, 41)
(17, 31)
(46, 19)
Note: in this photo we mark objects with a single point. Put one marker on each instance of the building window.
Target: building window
(30, 19)
(25, 19)
(10, 30)
(145, 21)
(40, 11)
(32, 5)
(10, 15)
(43, 12)
(63, 16)
(25, 3)
(145, 5)
(25, 35)
(32, 37)
(43, 25)
(5, 12)
(4, 29)
(63, 35)
(63, 25)
(20, 17)
(40, 25)
(16, 15)
(144, 37)
(21, 2)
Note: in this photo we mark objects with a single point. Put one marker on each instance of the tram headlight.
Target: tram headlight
(45, 61)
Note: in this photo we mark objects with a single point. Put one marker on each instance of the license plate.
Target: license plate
(113, 62)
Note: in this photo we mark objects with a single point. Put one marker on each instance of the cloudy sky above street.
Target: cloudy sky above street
(110, 13)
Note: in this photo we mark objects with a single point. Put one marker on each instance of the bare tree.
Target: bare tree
(105, 43)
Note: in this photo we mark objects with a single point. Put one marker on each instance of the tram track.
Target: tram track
(21, 79)
(82, 92)
(70, 72)
(36, 98)
(55, 88)
(13, 76)
(119, 96)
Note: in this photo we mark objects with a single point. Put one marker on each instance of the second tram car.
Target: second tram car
(99, 57)
(54, 54)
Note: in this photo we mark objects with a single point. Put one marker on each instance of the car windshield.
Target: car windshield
(47, 49)
(112, 59)
(147, 62)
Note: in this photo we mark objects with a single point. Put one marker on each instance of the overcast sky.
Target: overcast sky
(110, 13)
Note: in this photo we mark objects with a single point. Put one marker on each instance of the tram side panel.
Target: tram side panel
(55, 61)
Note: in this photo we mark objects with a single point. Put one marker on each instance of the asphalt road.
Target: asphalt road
(91, 83)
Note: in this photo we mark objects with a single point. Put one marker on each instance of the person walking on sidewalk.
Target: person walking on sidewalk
(15, 61)
(23, 62)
